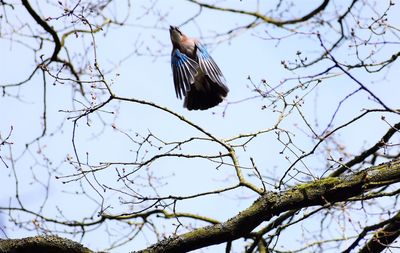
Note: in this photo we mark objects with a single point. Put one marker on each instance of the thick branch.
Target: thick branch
(46, 27)
(383, 237)
(44, 244)
(320, 192)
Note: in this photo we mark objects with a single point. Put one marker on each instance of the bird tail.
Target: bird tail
(206, 95)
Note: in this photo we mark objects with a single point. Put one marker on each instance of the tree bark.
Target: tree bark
(320, 192)
(384, 237)
(43, 244)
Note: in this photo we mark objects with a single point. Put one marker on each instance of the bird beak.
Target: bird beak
(172, 28)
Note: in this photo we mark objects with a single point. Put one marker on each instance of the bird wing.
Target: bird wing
(208, 65)
(184, 70)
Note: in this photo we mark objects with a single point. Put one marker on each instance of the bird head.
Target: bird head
(175, 34)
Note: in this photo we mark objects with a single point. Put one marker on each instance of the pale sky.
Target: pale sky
(149, 77)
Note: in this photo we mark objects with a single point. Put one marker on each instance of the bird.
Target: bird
(196, 76)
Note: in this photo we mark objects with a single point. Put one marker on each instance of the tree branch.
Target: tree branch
(383, 237)
(320, 192)
(44, 244)
(372, 150)
(266, 18)
(46, 27)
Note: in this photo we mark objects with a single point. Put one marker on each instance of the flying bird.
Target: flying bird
(197, 77)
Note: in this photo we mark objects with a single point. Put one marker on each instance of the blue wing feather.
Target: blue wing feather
(208, 65)
(184, 70)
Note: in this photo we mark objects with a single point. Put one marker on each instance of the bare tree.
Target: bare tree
(302, 157)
